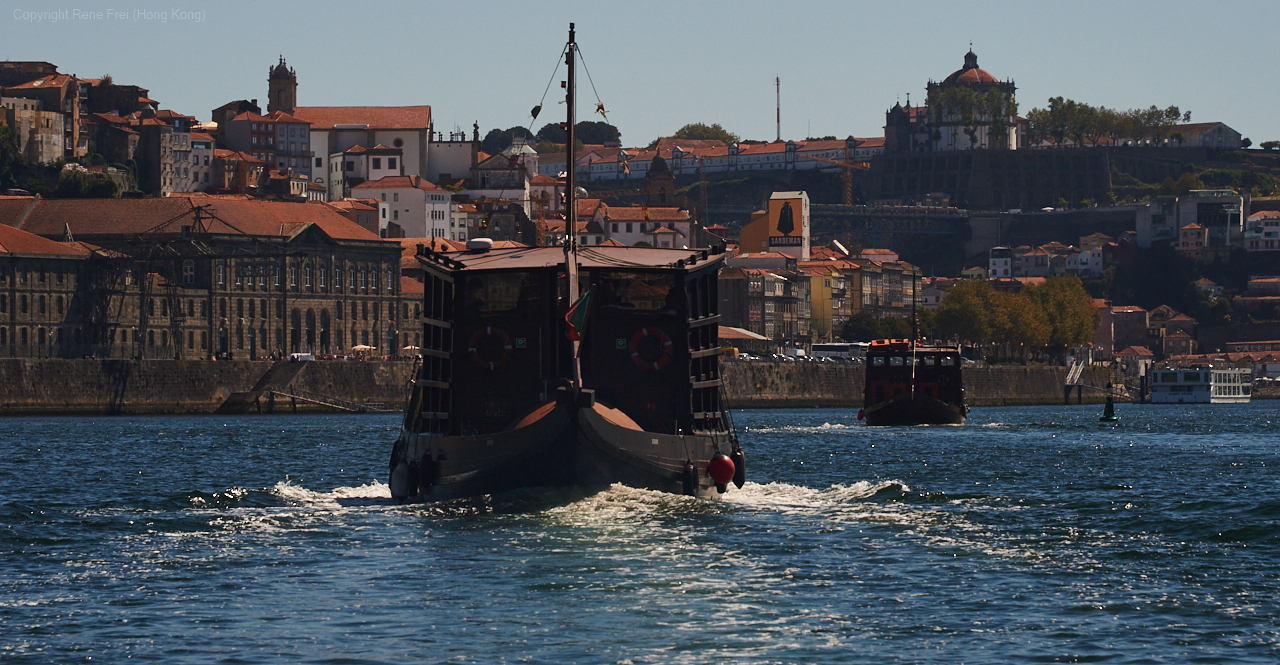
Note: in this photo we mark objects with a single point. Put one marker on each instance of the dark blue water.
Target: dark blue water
(1028, 535)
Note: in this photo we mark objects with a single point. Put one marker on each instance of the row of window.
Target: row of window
(41, 304)
(25, 275)
(361, 277)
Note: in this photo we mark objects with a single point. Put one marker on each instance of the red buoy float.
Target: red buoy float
(720, 468)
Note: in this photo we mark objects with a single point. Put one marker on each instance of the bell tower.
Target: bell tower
(282, 88)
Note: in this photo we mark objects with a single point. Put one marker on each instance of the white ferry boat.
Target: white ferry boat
(1201, 384)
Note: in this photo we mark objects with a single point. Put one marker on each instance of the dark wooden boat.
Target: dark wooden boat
(522, 383)
(494, 406)
(908, 384)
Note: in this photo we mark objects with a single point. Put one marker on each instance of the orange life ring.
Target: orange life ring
(664, 343)
(482, 334)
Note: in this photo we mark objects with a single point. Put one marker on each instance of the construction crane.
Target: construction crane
(846, 177)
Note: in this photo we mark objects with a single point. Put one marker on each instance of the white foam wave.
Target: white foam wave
(372, 493)
(802, 429)
(782, 495)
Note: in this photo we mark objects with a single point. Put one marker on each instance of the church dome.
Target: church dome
(281, 71)
(970, 74)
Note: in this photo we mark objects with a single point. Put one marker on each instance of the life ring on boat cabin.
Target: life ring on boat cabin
(484, 342)
(664, 344)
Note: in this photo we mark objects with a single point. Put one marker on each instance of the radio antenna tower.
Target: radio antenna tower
(777, 88)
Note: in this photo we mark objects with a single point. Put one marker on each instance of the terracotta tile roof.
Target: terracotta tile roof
(14, 241)
(1265, 214)
(349, 204)
(410, 285)
(376, 117)
(110, 118)
(12, 208)
(685, 144)
(400, 182)
(51, 81)
(1192, 129)
(871, 142)
(232, 155)
(1127, 309)
(637, 214)
(249, 116)
(588, 207)
(810, 146)
(199, 136)
(281, 116)
(113, 217)
(1136, 351)
(611, 243)
(169, 114)
(541, 179)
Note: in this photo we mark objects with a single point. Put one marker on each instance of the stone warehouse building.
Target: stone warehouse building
(196, 277)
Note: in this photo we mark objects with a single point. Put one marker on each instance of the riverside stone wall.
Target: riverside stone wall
(103, 387)
(761, 384)
(81, 387)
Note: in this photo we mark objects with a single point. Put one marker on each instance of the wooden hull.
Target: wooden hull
(439, 468)
(565, 446)
(917, 410)
(676, 463)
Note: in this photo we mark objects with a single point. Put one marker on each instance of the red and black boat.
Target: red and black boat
(525, 382)
(908, 384)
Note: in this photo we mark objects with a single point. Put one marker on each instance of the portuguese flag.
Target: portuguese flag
(576, 317)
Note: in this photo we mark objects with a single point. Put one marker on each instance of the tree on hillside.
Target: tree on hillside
(699, 131)
(498, 140)
(596, 132)
(585, 131)
(1185, 183)
(965, 312)
(1069, 310)
(12, 161)
(552, 132)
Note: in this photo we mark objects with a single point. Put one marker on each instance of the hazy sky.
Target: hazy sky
(660, 64)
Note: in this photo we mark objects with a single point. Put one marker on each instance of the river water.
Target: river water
(1032, 534)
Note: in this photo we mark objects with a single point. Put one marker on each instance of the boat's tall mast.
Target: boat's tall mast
(915, 333)
(571, 202)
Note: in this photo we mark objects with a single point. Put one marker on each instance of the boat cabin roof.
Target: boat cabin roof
(904, 346)
(589, 258)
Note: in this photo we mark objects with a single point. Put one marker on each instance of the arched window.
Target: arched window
(293, 274)
(222, 274)
(324, 276)
(307, 275)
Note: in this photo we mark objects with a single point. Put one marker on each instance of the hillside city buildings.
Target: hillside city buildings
(284, 227)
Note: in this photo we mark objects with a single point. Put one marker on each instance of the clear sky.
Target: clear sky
(660, 64)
